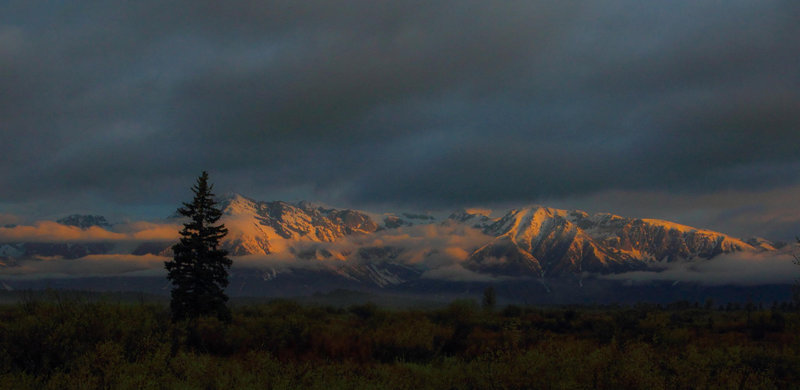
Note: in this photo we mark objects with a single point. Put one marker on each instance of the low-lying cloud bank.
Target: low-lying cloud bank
(88, 266)
(437, 251)
(48, 231)
(746, 269)
(735, 269)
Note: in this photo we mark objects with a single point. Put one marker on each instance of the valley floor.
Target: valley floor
(78, 344)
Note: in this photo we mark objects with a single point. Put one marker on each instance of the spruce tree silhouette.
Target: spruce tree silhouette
(199, 268)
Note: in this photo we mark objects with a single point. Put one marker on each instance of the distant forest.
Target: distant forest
(75, 341)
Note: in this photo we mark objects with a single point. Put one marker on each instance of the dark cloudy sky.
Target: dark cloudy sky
(684, 110)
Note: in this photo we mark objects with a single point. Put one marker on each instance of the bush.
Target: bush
(286, 345)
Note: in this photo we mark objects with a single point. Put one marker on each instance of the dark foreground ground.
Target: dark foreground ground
(82, 341)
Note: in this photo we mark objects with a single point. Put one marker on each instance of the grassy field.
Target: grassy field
(77, 343)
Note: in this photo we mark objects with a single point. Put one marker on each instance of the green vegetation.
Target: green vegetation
(78, 344)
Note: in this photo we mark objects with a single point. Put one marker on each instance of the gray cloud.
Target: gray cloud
(746, 269)
(424, 104)
(89, 266)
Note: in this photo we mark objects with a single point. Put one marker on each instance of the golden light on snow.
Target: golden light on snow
(478, 211)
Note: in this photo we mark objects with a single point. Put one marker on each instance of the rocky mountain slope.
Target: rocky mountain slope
(544, 241)
(537, 242)
(269, 227)
(534, 241)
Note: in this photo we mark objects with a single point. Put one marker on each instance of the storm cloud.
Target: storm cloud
(412, 104)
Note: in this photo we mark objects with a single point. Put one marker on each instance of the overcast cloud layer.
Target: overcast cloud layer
(409, 104)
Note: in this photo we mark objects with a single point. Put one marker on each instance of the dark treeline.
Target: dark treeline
(76, 343)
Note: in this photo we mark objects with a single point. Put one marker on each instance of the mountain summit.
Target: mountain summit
(544, 241)
(266, 227)
(387, 249)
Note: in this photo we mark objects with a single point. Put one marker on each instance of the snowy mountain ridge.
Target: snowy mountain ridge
(537, 241)
(533, 241)
(547, 241)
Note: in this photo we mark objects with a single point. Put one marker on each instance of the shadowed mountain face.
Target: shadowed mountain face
(85, 221)
(9, 252)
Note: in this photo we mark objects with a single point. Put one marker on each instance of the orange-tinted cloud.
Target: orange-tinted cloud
(148, 231)
(47, 231)
(437, 250)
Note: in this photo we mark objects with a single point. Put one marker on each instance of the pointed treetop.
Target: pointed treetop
(202, 184)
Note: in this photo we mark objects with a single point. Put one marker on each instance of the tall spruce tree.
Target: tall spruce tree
(199, 268)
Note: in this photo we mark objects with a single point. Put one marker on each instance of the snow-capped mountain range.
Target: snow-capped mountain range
(533, 241)
(546, 241)
(388, 249)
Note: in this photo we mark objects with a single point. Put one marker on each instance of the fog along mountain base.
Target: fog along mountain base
(530, 255)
